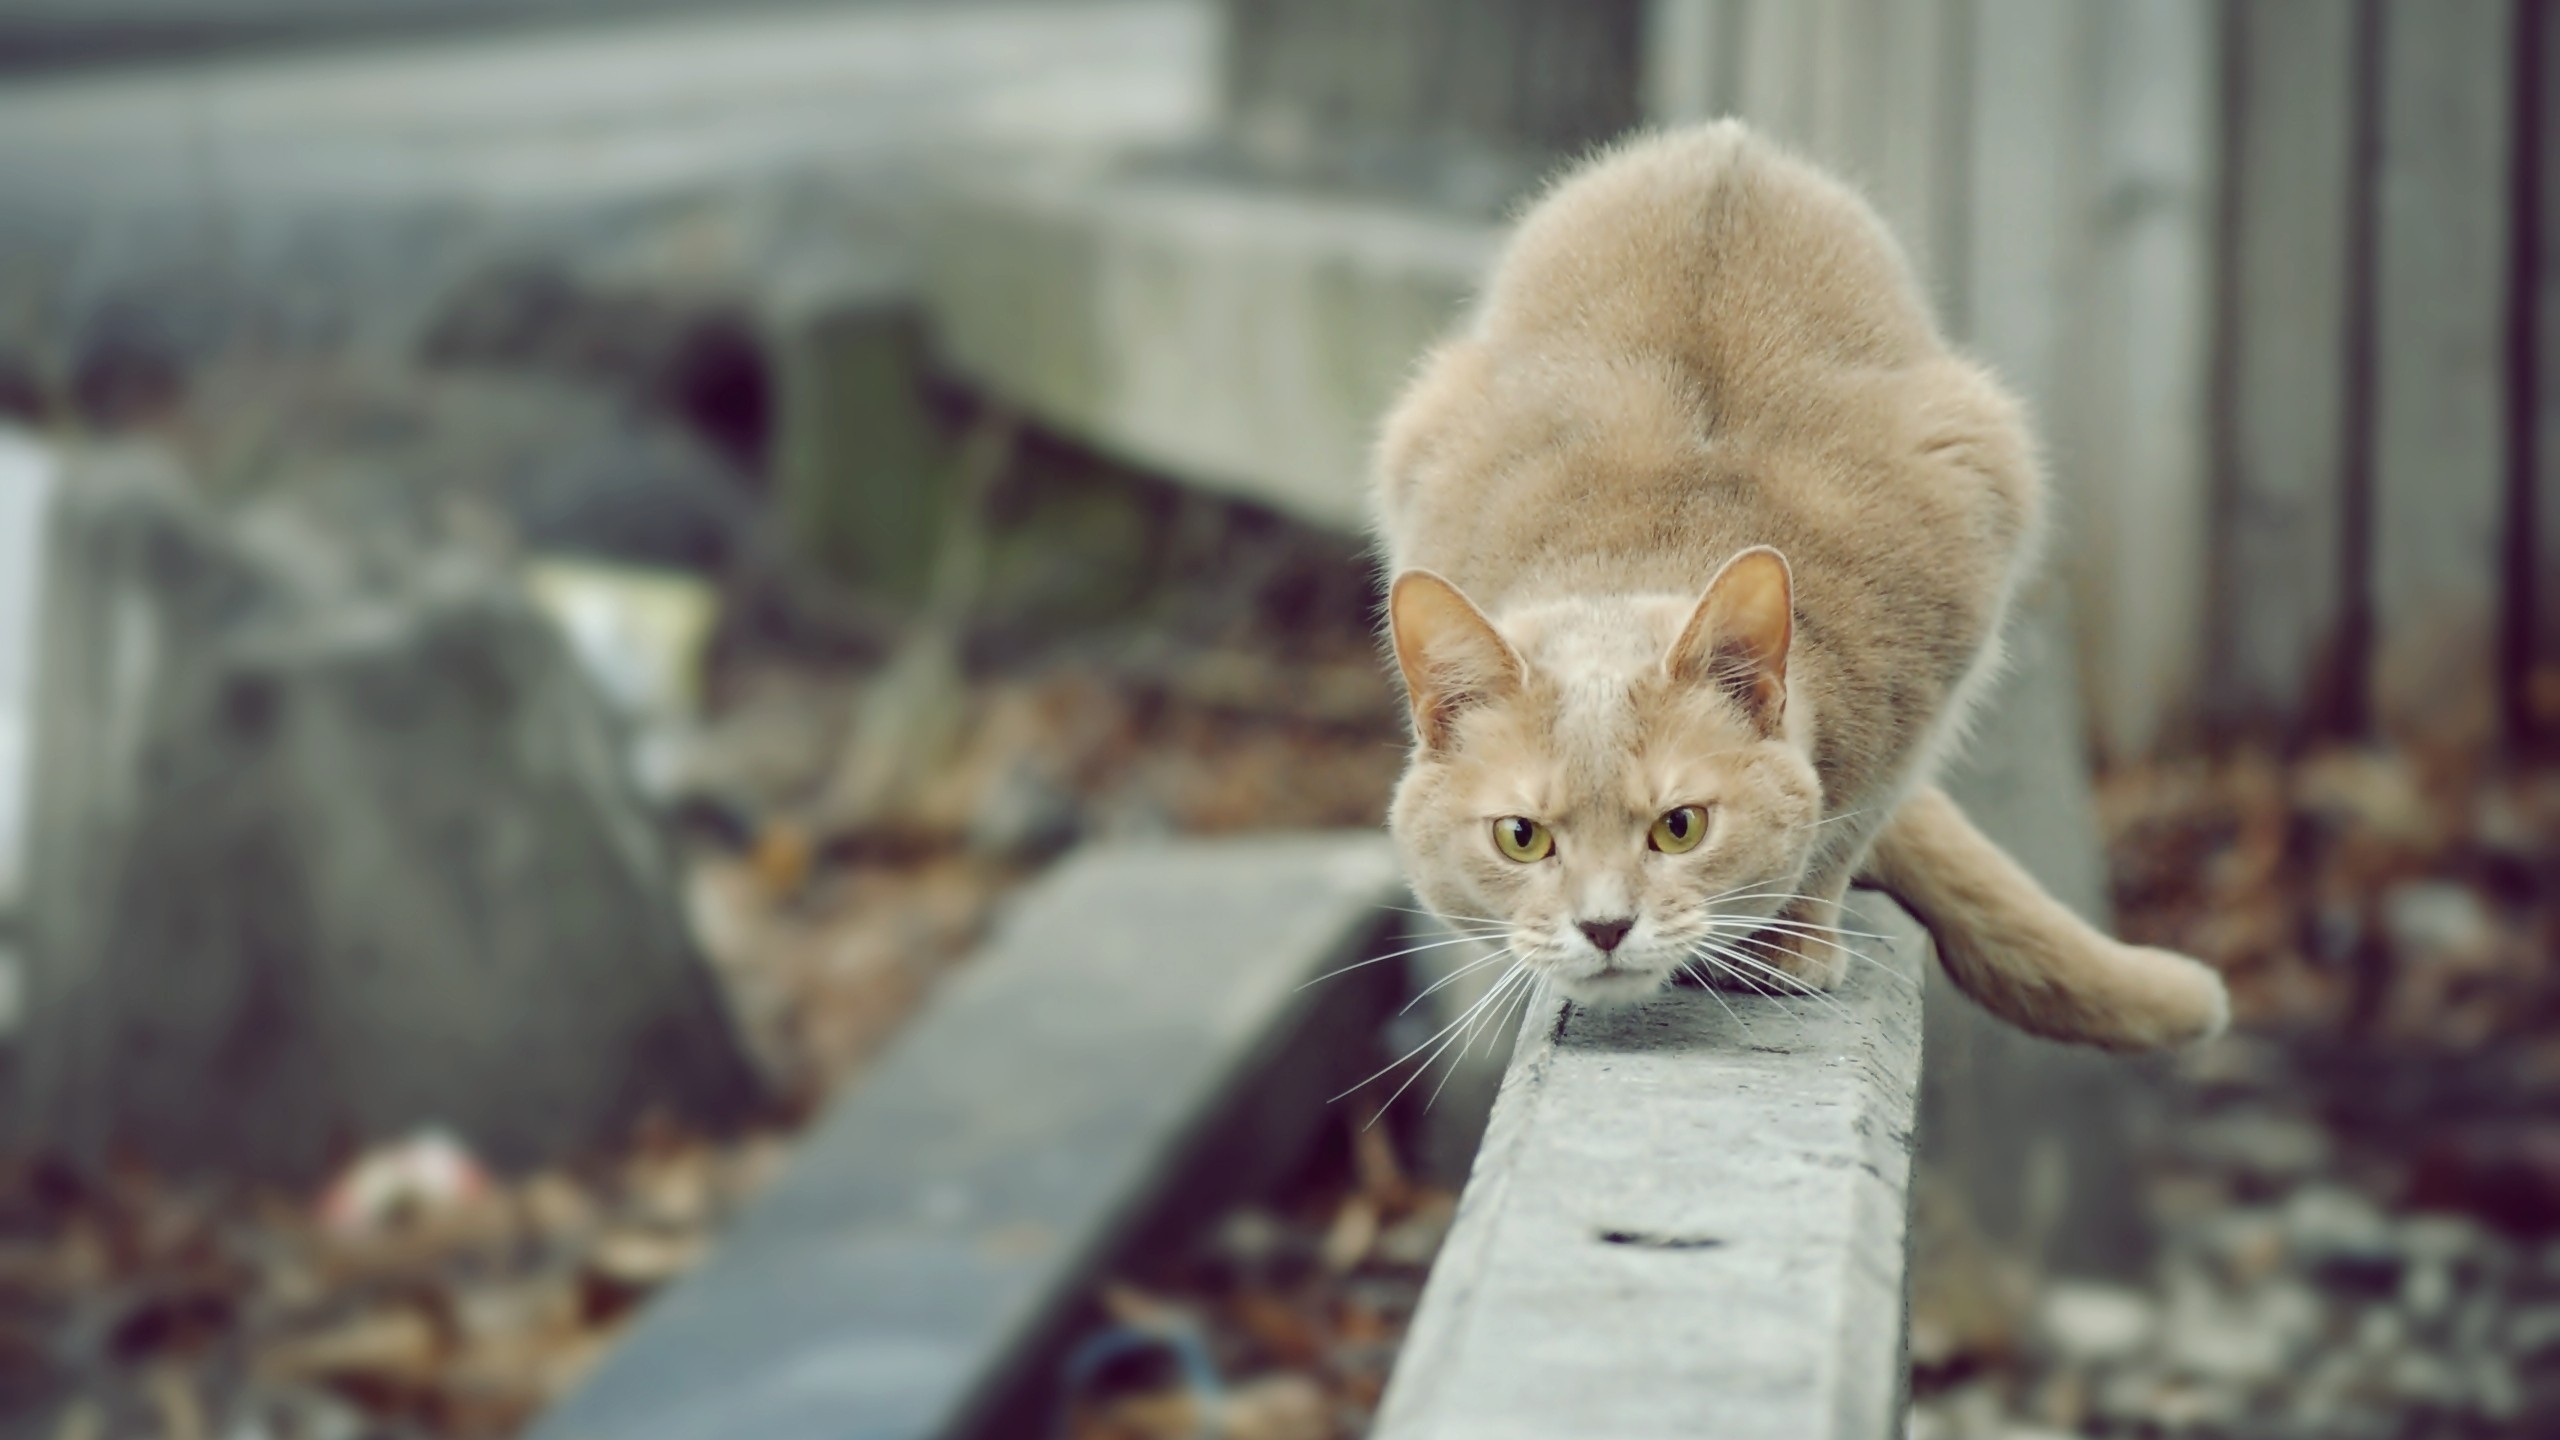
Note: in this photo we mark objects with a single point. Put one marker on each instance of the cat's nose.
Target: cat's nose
(1607, 933)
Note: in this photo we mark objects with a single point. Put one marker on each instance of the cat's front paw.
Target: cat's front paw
(1815, 962)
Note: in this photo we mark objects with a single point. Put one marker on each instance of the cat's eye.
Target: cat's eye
(1522, 839)
(1678, 831)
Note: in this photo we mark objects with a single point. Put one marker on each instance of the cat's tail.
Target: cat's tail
(2023, 955)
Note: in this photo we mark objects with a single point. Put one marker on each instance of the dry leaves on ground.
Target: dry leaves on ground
(2358, 1193)
(134, 1306)
(1290, 1311)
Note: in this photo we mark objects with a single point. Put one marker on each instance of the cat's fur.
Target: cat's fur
(1701, 509)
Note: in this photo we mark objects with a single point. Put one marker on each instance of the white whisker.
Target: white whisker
(1808, 927)
(1750, 932)
(1469, 968)
(1491, 1024)
(1850, 952)
(1390, 1066)
(1786, 984)
(1436, 1035)
(1436, 915)
(1737, 893)
(1395, 955)
(1733, 896)
(1424, 1068)
(1709, 985)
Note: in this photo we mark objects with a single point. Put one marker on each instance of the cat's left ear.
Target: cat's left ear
(1737, 639)
(1452, 657)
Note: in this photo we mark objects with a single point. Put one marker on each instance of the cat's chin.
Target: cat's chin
(1609, 989)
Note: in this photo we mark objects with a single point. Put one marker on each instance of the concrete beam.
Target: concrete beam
(158, 211)
(1133, 1049)
(26, 489)
(1245, 340)
(1688, 1218)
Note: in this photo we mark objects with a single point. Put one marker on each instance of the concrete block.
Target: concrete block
(1243, 340)
(310, 868)
(711, 147)
(26, 490)
(1311, 80)
(1132, 1049)
(1688, 1218)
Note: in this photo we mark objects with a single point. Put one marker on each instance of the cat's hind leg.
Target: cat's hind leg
(1804, 942)
(2023, 955)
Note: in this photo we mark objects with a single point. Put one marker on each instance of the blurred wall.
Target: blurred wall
(49, 34)
(2278, 278)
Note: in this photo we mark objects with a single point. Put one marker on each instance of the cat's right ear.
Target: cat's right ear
(1738, 637)
(1452, 657)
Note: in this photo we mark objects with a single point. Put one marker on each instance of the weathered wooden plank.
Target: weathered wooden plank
(1692, 59)
(1871, 88)
(2025, 243)
(26, 488)
(2025, 258)
(2087, 285)
(2541, 131)
(1912, 175)
(2279, 593)
(1846, 74)
(1687, 1219)
(1951, 259)
(1775, 87)
(2138, 435)
(26, 492)
(2441, 232)
(1137, 1031)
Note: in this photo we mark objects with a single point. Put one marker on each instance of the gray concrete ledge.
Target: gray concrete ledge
(1134, 1046)
(1688, 1218)
(26, 489)
(1242, 339)
(303, 201)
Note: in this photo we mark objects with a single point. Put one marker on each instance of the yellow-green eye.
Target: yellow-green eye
(1679, 830)
(1522, 839)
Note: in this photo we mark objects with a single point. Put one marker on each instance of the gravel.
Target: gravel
(2357, 1194)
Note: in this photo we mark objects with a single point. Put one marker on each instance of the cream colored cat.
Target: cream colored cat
(1702, 539)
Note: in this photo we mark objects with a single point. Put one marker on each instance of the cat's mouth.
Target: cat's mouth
(1613, 982)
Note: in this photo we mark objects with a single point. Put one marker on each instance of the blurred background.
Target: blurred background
(561, 559)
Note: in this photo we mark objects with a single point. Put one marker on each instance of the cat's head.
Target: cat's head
(1615, 783)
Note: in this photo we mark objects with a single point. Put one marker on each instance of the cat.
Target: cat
(1702, 540)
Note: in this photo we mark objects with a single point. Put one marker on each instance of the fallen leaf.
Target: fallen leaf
(643, 1259)
(1276, 1407)
(1354, 1230)
(1283, 1332)
(399, 1345)
(173, 1398)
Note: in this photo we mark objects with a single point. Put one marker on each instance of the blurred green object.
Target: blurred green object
(640, 633)
(860, 464)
